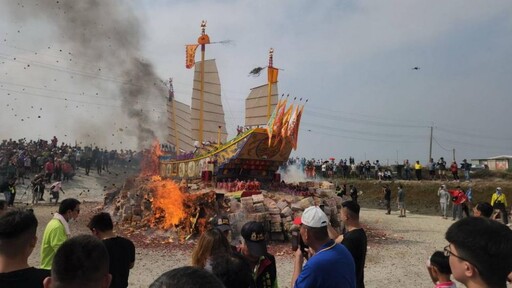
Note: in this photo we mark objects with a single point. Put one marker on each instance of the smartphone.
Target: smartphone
(295, 240)
(303, 247)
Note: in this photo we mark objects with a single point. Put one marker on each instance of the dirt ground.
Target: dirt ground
(397, 251)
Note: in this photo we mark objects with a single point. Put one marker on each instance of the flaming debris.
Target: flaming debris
(160, 206)
(150, 160)
(167, 200)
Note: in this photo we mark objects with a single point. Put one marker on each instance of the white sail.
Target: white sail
(256, 108)
(179, 119)
(213, 113)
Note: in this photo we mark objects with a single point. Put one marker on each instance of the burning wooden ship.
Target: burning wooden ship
(198, 135)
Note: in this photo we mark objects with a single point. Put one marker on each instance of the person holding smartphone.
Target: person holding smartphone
(331, 266)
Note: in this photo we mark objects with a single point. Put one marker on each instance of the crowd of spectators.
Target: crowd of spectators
(21, 158)
(367, 170)
(41, 162)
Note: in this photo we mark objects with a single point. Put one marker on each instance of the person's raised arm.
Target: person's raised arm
(297, 266)
(334, 235)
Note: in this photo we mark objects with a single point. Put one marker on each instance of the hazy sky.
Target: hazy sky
(353, 60)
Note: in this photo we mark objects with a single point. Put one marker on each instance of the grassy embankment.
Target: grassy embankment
(421, 196)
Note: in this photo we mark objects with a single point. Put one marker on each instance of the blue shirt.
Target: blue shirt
(331, 267)
(469, 194)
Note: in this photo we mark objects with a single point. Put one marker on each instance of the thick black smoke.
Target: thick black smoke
(107, 35)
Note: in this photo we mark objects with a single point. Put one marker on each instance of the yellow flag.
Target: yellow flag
(295, 137)
(190, 55)
(272, 74)
(286, 122)
(270, 124)
(276, 126)
(283, 134)
(293, 121)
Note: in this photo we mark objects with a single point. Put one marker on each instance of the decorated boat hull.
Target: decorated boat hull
(247, 156)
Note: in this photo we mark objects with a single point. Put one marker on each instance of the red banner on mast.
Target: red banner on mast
(190, 55)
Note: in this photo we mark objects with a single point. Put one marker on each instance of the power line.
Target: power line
(462, 143)
(360, 121)
(79, 93)
(365, 133)
(341, 112)
(358, 138)
(82, 63)
(94, 75)
(448, 150)
(314, 111)
(76, 101)
(456, 132)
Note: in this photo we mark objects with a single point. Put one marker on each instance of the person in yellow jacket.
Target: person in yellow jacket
(499, 201)
(417, 170)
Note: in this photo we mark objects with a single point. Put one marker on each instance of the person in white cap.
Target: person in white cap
(331, 265)
(499, 201)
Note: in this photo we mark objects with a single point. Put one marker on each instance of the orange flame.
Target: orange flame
(167, 202)
(150, 162)
(171, 208)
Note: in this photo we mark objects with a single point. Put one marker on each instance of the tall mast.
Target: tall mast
(202, 40)
(269, 69)
(173, 103)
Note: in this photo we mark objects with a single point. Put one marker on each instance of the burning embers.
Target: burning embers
(151, 160)
(150, 202)
(148, 205)
(171, 209)
(167, 203)
(151, 206)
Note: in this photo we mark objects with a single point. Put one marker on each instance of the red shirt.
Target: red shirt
(458, 196)
(48, 167)
(66, 168)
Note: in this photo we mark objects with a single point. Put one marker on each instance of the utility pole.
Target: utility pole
(430, 150)
(454, 154)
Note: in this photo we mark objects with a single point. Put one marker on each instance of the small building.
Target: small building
(502, 162)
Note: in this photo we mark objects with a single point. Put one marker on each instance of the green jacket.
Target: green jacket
(54, 235)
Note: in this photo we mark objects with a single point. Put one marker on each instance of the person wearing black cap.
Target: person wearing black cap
(221, 222)
(254, 249)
